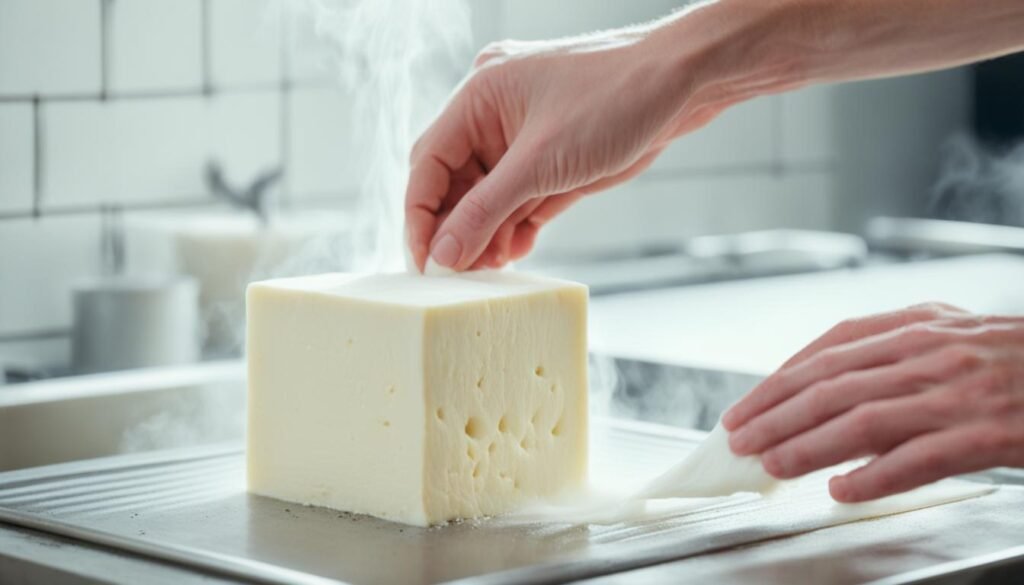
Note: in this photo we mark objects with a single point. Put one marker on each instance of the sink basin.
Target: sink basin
(84, 417)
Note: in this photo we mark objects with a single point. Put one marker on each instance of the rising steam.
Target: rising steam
(397, 60)
(980, 184)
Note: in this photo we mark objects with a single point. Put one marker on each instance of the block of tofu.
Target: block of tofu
(417, 399)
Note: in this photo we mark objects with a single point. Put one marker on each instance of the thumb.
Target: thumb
(469, 228)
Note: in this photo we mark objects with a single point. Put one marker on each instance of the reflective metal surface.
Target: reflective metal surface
(190, 508)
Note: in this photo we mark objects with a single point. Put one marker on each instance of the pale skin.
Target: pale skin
(929, 391)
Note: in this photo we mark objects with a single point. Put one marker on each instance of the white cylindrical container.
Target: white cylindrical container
(133, 322)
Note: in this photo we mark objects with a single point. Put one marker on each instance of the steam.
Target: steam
(397, 61)
(980, 184)
(188, 416)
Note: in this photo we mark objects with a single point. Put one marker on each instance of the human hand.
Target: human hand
(931, 391)
(535, 127)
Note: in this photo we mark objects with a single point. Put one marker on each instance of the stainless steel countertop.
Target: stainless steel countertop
(189, 508)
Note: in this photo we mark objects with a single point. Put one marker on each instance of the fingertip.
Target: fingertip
(773, 466)
(739, 443)
(846, 489)
(730, 420)
(447, 251)
(839, 489)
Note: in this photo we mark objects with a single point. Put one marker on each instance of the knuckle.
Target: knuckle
(819, 400)
(932, 309)
(931, 463)
(826, 360)
(845, 326)
(795, 459)
(918, 334)
(962, 357)
(475, 213)
(942, 406)
(992, 381)
(862, 424)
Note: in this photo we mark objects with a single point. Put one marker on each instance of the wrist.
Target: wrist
(727, 51)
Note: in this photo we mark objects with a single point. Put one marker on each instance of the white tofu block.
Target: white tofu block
(417, 399)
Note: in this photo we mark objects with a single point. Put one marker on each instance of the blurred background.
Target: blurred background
(156, 136)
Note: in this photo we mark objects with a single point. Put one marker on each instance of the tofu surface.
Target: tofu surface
(417, 399)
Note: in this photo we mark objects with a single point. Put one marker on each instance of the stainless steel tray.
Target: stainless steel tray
(190, 507)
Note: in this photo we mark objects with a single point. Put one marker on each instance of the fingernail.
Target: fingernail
(740, 443)
(773, 465)
(729, 420)
(447, 251)
(838, 489)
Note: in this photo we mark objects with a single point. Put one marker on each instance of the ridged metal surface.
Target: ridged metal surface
(191, 508)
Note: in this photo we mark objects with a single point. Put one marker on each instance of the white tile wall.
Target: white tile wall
(16, 156)
(155, 150)
(245, 43)
(49, 46)
(39, 262)
(808, 124)
(741, 136)
(156, 44)
(323, 155)
(308, 57)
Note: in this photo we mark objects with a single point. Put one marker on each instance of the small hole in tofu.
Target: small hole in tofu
(478, 333)
(471, 453)
(492, 448)
(502, 425)
(480, 383)
(554, 387)
(535, 418)
(391, 389)
(557, 429)
(502, 475)
(524, 444)
(439, 413)
(515, 484)
(539, 371)
(473, 428)
(349, 342)
(386, 423)
(476, 470)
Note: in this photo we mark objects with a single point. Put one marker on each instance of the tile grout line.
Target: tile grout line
(284, 114)
(159, 94)
(34, 335)
(37, 158)
(205, 48)
(106, 22)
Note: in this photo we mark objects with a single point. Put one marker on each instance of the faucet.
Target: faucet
(252, 198)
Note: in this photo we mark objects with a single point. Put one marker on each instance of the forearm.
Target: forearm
(735, 49)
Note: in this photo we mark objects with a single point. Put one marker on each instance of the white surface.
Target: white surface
(753, 326)
(16, 156)
(49, 46)
(245, 43)
(413, 398)
(156, 150)
(156, 45)
(324, 158)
